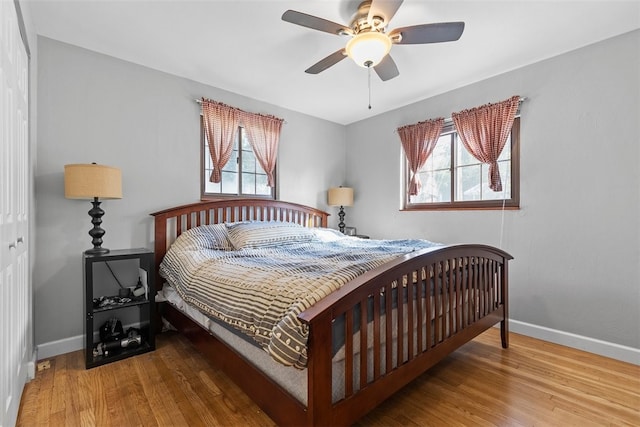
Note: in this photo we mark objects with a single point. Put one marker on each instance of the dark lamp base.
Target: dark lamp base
(341, 224)
(97, 251)
(96, 232)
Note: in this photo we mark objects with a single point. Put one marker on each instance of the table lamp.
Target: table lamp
(340, 196)
(93, 182)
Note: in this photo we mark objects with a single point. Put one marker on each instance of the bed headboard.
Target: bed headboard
(170, 223)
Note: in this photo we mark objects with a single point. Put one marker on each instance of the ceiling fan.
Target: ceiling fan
(370, 42)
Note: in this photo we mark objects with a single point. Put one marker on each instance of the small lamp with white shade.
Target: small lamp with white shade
(340, 196)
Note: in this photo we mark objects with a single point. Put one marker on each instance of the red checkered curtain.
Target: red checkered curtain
(220, 126)
(484, 131)
(418, 142)
(264, 135)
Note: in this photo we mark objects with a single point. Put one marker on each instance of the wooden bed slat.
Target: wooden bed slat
(419, 314)
(438, 286)
(364, 339)
(348, 369)
(410, 305)
(399, 303)
(388, 345)
(476, 273)
(429, 300)
(376, 335)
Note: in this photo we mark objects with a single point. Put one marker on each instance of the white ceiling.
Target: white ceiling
(244, 47)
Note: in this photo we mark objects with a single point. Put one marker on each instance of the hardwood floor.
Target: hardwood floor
(533, 383)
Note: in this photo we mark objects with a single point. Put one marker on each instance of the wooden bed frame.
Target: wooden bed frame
(479, 272)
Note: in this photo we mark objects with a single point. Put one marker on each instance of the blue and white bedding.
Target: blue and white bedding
(258, 277)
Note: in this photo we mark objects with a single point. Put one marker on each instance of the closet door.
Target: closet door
(15, 292)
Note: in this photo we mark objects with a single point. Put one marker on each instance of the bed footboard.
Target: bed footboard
(400, 320)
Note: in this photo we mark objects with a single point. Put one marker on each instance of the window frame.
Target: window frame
(239, 195)
(511, 203)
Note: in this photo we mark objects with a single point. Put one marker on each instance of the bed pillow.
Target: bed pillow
(212, 236)
(328, 234)
(266, 233)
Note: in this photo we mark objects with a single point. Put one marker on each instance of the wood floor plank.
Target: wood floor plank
(533, 383)
(162, 402)
(137, 401)
(58, 397)
(74, 367)
(29, 405)
(44, 398)
(99, 403)
(196, 385)
(120, 411)
(88, 418)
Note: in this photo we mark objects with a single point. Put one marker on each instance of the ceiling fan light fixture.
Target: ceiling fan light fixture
(368, 49)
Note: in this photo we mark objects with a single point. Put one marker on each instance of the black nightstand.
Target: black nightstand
(103, 276)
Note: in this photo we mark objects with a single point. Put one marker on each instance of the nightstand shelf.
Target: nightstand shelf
(123, 354)
(104, 276)
(119, 306)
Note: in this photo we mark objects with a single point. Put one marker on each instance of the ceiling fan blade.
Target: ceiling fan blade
(385, 9)
(315, 23)
(429, 33)
(386, 69)
(327, 62)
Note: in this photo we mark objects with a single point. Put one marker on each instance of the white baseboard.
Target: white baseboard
(591, 345)
(31, 365)
(66, 345)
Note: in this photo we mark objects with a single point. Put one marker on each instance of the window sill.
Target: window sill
(214, 197)
(462, 207)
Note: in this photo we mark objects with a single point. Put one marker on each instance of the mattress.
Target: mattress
(291, 379)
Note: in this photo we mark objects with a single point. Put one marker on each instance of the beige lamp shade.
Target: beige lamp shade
(340, 196)
(87, 181)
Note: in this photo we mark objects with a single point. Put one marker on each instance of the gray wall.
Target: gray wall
(576, 238)
(95, 108)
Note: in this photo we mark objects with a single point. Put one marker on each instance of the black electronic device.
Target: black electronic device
(111, 330)
(132, 339)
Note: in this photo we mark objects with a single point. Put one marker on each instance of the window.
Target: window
(241, 176)
(453, 179)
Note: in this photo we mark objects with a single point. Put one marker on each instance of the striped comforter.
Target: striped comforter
(261, 291)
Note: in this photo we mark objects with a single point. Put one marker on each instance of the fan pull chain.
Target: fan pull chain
(368, 64)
